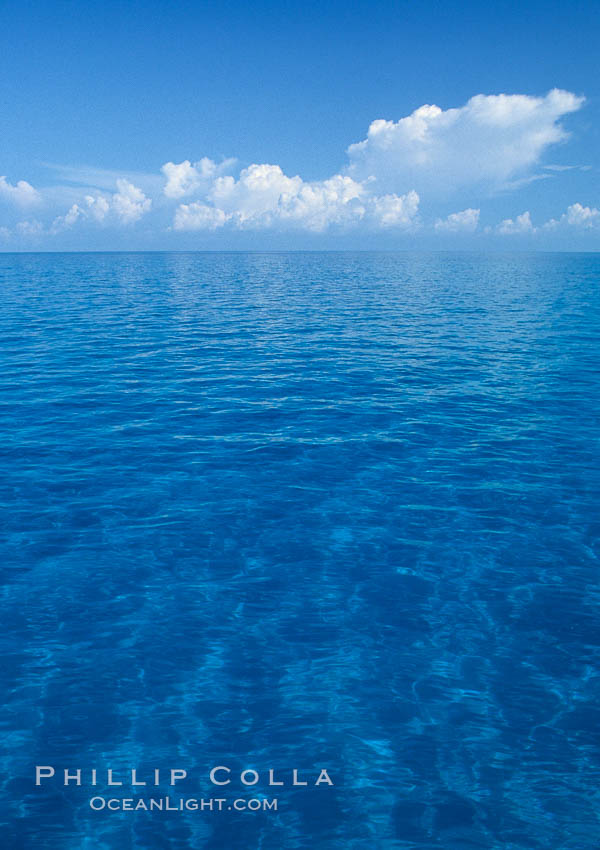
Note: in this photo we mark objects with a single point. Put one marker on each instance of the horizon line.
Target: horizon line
(311, 251)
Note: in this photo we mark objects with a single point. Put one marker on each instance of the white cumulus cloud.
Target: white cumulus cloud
(576, 217)
(263, 196)
(395, 210)
(98, 207)
(518, 226)
(492, 142)
(465, 221)
(185, 178)
(127, 205)
(73, 214)
(198, 216)
(393, 181)
(22, 193)
(488, 142)
(579, 216)
(257, 195)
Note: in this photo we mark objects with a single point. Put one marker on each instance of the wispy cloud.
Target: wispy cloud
(90, 177)
(559, 168)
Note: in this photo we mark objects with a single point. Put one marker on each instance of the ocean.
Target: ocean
(301, 511)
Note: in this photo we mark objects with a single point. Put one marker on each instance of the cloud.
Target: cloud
(126, 206)
(492, 142)
(560, 168)
(396, 210)
(265, 197)
(198, 216)
(129, 203)
(259, 192)
(517, 227)
(98, 207)
(32, 228)
(184, 178)
(580, 216)
(576, 217)
(486, 143)
(459, 222)
(105, 179)
(393, 181)
(23, 194)
(64, 222)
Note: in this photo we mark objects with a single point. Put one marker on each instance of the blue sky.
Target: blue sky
(236, 125)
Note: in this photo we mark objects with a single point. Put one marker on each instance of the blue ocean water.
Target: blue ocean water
(302, 511)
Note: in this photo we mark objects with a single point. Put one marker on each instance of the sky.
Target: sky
(299, 125)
